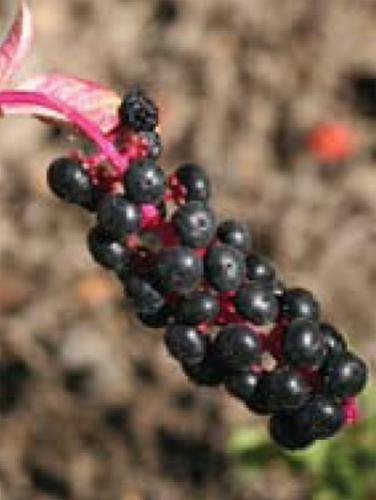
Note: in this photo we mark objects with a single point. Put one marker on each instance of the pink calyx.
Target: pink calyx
(151, 218)
(351, 411)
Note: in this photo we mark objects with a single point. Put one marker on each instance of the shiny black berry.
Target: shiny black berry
(145, 297)
(156, 319)
(303, 344)
(179, 269)
(138, 111)
(237, 346)
(195, 224)
(198, 307)
(207, 373)
(242, 385)
(256, 302)
(285, 389)
(334, 341)
(235, 234)
(107, 252)
(259, 269)
(258, 402)
(185, 344)
(321, 417)
(300, 303)
(195, 181)
(118, 216)
(145, 182)
(224, 268)
(344, 375)
(69, 181)
(286, 432)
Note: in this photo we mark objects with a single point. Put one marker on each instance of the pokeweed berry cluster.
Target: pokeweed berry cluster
(228, 318)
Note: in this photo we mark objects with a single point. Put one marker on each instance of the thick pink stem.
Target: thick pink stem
(15, 97)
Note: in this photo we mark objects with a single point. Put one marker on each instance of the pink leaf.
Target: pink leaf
(16, 43)
(96, 103)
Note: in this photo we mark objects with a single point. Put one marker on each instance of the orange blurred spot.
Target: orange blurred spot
(331, 142)
(96, 290)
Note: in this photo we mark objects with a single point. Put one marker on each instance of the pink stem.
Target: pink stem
(15, 97)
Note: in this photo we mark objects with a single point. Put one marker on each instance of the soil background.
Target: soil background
(91, 408)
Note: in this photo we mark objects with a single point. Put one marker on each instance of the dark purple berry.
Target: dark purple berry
(157, 319)
(195, 224)
(199, 307)
(207, 373)
(300, 303)
(195, 181)
(259, 269)
(303, 345)
(145, 297)
(118, 216)
(185, 344)
(285, 389)
(321, 417)
(179, 269)
(287, 433)
(145, 182)
(138, 111)
(69, 181)
(258, 402)
(256, 302)
(107, 252)
(334, 341)
(242, 385)
(237, 346)
(224, 268)
(344, 375)
(235, 234)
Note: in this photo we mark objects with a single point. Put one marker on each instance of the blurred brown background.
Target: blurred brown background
(91, 408)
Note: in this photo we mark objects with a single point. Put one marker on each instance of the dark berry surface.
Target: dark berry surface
(195, 224)
(145, 182)
(257, 302)
(345, 375)
(195, 182)
(118, 216)
(235, 234)
(138, 111)
(185, 344)
(197, 308)
(179, 269)
(237, 346)
(70, 182)
(224, 268)
(303, 345)
(300, 303)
